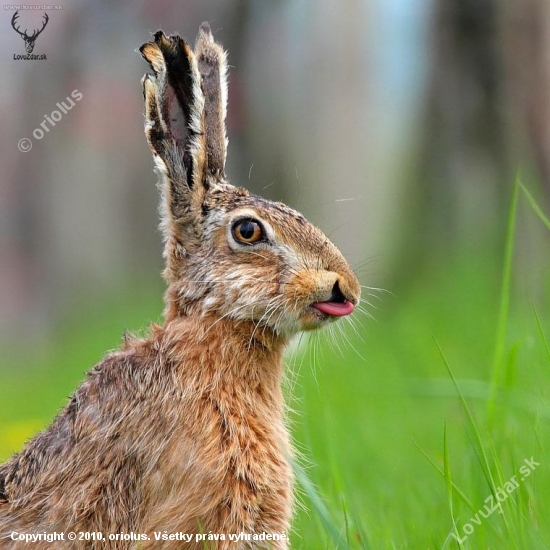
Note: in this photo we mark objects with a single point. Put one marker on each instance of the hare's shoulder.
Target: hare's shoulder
(102, 421)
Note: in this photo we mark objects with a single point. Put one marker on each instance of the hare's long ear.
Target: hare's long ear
(212, 62)
(174, 126)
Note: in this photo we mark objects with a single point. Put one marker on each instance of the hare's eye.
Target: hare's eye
(248, 231)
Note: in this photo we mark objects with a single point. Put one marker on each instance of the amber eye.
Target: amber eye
(248, 231)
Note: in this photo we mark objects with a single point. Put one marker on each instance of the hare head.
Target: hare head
(228, 253)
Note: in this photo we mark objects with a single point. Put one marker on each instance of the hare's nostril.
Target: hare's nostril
(337, 305)
(337, 295)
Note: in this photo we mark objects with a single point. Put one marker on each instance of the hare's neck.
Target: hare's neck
(226, 350)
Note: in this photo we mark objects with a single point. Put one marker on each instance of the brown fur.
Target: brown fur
(183, 431)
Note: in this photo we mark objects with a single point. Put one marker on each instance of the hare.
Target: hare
(181, 434)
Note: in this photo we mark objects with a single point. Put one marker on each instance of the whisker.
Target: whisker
(223, 317)
(365, 312)
(345, 336)
(269, 308)
(376, 289)
(351, 323)
(229, 280)
(335, 339)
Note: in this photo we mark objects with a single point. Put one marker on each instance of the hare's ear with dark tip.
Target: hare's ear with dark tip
(212, 64)
(174, 125)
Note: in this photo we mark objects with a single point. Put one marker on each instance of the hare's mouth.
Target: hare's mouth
(334, 309)
(337, 304)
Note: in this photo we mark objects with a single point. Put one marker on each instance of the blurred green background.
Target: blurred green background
(406, 131)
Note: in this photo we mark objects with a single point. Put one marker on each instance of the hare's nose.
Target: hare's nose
(337, 296)
(337, 305)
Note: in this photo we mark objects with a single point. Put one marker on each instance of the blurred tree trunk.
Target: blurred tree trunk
(486, 113)
(526, 39)
(463, 163)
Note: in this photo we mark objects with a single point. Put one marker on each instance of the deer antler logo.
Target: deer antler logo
(29, 40)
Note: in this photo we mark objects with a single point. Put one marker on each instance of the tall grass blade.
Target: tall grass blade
(541, 331)
(534, 205)
(449, 481)
(476, 441)
(456, 489)
(319, 507)
(500, 338)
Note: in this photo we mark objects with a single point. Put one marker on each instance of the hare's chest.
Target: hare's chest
(255, 477)
(228, 471)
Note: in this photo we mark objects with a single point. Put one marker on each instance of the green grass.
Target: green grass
(406, 436)
(440, 415)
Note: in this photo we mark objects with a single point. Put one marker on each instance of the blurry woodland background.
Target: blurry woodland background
(399, 127)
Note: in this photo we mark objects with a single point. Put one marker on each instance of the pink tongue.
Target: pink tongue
(334, 308)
